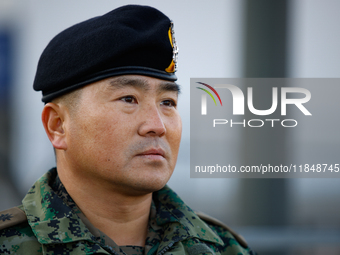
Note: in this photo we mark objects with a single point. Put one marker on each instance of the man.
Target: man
(111, 115)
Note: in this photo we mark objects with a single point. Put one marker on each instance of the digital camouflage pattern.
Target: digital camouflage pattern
(55, 225)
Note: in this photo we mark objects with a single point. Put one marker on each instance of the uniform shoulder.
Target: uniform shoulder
(12, 217)
(16, 236)
(222, 229)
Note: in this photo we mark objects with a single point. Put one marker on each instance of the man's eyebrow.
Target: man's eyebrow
(169, 86)
(120, 82)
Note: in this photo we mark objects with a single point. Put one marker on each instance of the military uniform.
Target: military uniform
(55, 225)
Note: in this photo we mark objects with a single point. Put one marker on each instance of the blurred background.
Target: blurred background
(229, 38)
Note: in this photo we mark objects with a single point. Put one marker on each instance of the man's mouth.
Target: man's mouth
(154, 154)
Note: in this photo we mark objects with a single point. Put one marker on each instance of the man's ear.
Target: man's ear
(53, 120)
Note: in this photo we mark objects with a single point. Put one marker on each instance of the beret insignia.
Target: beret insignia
(173, 65)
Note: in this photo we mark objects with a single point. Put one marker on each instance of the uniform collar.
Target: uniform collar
(51, 219)
(180, 220)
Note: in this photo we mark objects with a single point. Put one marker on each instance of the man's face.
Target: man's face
(125, 133)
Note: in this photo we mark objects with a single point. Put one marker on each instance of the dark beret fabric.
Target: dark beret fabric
(131, 39)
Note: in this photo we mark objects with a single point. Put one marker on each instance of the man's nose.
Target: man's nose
(152, 122)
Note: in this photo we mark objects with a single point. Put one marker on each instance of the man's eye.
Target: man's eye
(169, 103)
(129, 99)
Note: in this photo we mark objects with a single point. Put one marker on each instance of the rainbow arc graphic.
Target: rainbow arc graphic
(204, 97)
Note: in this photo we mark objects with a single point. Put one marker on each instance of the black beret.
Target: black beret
(131, 39)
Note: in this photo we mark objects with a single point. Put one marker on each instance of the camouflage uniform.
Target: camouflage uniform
(55, 225)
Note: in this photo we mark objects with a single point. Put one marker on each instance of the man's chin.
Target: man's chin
(150, 188)
(147, 186)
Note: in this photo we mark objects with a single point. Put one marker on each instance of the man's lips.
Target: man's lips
(152, 153)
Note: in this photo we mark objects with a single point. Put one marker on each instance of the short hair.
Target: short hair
(70, 100)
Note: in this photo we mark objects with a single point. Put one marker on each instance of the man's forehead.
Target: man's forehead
(143, 83)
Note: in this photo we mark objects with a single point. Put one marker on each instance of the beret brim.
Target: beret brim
(137, 70)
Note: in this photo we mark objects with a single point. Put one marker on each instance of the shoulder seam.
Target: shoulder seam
(12, 217)
(214, 221)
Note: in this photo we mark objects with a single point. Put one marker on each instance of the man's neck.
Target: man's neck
(121, 217)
